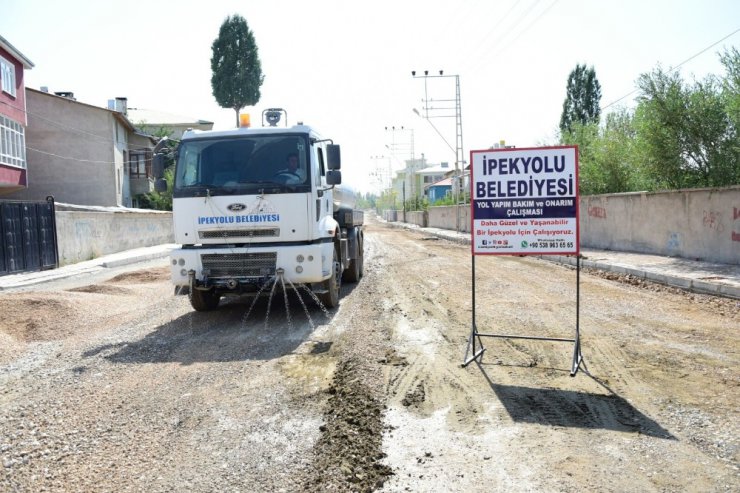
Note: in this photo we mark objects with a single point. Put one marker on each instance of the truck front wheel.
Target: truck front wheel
(330, 298)
(204, 301)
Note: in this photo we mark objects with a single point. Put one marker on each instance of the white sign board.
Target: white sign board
(524, 201)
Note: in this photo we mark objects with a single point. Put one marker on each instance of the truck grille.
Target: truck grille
(239, 233)
(239, 264)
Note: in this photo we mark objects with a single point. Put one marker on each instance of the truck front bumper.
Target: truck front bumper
(236, 268)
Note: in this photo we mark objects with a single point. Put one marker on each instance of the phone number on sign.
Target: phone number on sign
(551, 244)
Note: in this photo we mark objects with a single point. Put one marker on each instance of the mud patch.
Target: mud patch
(142, 276)
(415, 397)
(313, 371)
(35, 317)
(349, 451)
(101, 289)
(393, 358)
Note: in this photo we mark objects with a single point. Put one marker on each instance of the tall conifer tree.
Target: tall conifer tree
(236, 67)
(583, 96)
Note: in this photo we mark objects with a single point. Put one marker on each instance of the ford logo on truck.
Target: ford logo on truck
(236, 207)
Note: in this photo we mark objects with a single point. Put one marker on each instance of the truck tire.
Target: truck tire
(330, 299)
(204, 301)
(356, 265)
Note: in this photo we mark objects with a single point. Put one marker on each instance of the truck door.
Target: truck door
(322, 199)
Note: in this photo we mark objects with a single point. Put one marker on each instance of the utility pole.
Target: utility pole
(383, 177)
(429, 111)
(404, 146)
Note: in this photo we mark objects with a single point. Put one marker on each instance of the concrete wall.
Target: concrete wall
(391, 216)
(697, 224)
(419, 218)
(416, 217)
(446, 217)
(84, 235)
(700, 223)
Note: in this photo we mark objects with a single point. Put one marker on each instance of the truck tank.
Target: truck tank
(344, 197)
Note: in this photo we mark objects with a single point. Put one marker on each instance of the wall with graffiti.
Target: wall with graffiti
(698, 223)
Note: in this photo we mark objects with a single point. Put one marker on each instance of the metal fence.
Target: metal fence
(28, 236)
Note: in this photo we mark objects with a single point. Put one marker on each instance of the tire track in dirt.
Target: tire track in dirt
(524, 410)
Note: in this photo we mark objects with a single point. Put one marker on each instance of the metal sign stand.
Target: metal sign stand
(475, 344)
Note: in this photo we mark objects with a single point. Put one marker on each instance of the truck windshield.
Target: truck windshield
(244, 164)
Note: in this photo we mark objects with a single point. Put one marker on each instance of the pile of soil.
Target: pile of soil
(349, 451)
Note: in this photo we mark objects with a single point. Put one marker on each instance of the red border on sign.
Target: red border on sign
(518, 254)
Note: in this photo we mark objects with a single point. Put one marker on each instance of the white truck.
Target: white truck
(244, 216)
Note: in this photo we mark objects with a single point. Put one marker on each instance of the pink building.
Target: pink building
(13, 120)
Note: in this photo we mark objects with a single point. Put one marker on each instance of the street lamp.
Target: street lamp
(436, 130)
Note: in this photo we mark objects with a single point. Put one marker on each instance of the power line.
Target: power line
(523, 15)
(518, 20)
(68, 158)
(676, 67)
(493, 29)
(57, 124)
(529, 26)
(69, 127)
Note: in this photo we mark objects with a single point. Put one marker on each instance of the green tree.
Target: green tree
(585, 137)
(417, 204)
(686, 133)
(366, 201)
(156, 200)
(731, 90)
(608, 158)
(235, 65)
(617, 156)
(388, 200)
(161, 201)
(582, 99)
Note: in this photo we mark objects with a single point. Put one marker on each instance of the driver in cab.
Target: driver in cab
(293, 173)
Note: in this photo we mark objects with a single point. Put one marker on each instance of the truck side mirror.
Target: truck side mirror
(160, 185)
(333, 177)
(158, 166)
(333, 156)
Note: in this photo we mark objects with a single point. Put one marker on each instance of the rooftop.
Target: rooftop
(154, 117)
(5, 44)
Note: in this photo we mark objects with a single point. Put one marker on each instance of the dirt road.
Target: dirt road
(113, 384)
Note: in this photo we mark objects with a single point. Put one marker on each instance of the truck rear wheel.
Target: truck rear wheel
(356, 265)
(204, 301)
(330, 298)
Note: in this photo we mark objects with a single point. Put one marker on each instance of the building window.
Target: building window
(12, 143)
(7, 71)
(139, 165)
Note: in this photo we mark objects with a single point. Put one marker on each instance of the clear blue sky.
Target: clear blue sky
(345, 66)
